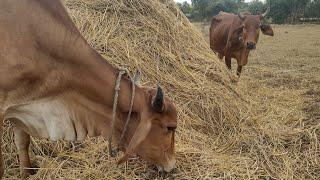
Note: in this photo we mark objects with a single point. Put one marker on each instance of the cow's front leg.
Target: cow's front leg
(22, 141)
(239, 70)
(1, 160)
(228, 62)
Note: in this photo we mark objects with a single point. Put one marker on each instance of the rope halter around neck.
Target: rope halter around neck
(134, 81)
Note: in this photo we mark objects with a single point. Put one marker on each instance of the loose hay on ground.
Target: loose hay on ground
(273, 134)
(155, 36)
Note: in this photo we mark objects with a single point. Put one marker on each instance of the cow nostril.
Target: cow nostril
(251, 45)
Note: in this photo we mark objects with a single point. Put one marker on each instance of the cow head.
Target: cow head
(250, 27)
(153, 139)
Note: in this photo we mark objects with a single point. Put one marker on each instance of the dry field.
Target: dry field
(282, 84)
(263, 126)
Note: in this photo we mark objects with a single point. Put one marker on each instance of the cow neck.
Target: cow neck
(102, 82)
(90, 75)
(81, 68)
(119, 128)
(114, 110)
(125, 95)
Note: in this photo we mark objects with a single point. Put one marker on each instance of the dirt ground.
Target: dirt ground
(282, 85)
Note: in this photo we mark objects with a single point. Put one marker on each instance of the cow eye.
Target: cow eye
(171, 129)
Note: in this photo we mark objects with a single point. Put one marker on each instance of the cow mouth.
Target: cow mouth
(162, 174)
(168, 167)
(165, 168)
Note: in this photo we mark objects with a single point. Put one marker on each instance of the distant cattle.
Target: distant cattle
(234, 36)
(54, 85)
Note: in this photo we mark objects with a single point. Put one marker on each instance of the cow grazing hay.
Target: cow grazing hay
(154, 36)
(282, 84)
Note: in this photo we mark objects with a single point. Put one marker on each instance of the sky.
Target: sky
(189, 1)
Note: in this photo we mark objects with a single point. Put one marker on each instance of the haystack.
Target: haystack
(155, 36)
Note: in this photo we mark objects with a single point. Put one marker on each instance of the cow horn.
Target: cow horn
(158, 100)
(241, 16)
(265, 13)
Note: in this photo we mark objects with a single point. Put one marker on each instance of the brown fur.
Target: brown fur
(43, 55)
(230, 34)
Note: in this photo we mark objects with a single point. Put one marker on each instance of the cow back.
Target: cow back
(220, 30)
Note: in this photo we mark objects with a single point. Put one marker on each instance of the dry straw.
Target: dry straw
(213, 138)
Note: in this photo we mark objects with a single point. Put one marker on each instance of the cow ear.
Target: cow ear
(139, 136)
(157, 102)
(267, 30)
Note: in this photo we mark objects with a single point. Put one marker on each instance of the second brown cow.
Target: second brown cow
(234, 36)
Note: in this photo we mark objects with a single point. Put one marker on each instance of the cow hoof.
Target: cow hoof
(33, 171)
(25, 173)
(1, 172)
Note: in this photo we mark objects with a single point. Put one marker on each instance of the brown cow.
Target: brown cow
(54, 85)
(234, 36)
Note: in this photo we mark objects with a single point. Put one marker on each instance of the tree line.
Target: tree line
(281, 11)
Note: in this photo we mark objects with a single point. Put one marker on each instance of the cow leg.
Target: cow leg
(228, 62)
(239, 70)
(1, 160)
(22, 141)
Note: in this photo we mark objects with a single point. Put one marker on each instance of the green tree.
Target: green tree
(297, 9)
(230, 5)
(256, 7)
(185, 8)
(313, 9)
(199, 10)
(287, 11)
(242, 6)
(281, 11)
(205, 9)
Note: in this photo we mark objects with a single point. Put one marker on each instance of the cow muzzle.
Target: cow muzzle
(251, 45)
(168, 166)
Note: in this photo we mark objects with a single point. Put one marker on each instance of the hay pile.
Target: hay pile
(155, 36)
(220, 135)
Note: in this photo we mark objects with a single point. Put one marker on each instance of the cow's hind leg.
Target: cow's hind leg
(22, 141)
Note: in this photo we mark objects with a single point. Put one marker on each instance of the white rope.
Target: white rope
(134, 82)
(114, 109)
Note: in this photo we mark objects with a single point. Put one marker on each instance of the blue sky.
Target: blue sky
(189, 1)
